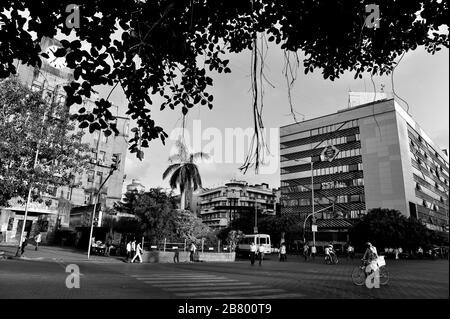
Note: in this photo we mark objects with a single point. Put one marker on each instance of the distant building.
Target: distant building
(220, 205)
(136, 186)
(368, 156)
(54, 211)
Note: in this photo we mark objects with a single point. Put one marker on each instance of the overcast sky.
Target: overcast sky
(421, 79)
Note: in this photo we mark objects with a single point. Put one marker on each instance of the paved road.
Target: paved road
(293, 279)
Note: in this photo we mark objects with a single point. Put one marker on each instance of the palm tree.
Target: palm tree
(184, 173)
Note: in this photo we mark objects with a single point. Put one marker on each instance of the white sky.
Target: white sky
(421, 79)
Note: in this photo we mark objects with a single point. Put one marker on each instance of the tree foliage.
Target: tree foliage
(184, 173)
(389, 228)
(28, 123)
(160, 43)
(159, 218)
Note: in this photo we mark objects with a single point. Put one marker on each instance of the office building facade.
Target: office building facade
(364, 157)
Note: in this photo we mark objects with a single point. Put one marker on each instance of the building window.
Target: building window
(418, 187)
(353, 167)
(10, 224)
(424, 203)
(90, 176)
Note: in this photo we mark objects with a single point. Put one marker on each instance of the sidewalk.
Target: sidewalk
(56, 253)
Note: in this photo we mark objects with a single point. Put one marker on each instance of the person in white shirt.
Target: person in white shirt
(129, 251)
(261, 254)
(252, 253)
(313, 252)
(371, 256)
(139, 251)
(133, 248)
(37, 240)
(193, 249)
(283, 252)
(420, 252)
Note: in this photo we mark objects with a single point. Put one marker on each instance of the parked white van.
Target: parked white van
(243, 247)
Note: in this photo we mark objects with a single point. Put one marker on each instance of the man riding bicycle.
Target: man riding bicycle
(370, 257)
(329, 253)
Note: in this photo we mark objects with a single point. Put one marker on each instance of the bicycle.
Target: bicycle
(359, 274)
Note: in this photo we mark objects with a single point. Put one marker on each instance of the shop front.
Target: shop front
(40, 218)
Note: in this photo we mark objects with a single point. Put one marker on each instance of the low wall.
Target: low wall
(167, 257)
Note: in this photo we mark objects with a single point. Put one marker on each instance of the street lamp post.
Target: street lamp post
(312, 200)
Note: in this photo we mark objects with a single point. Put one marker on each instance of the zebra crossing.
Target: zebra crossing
(208, 286)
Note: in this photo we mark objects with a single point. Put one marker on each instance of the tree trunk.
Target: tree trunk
(183, 200)
(188, 197)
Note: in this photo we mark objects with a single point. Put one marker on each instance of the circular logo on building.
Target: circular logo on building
(329, 153)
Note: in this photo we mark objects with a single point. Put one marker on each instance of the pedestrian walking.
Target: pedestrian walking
(313, 252)
(37, 240)
(176, 256)
(252, 253)
(133, 248)
(139, 253)
(108, 246)
(283, 252)
(396, 253)
(350, 252)
(305, 251)
(260, 254)
(193, 249)
(420, 252)
(23, 245)
(129, 251)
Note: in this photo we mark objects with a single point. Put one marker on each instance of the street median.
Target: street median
(168, 257)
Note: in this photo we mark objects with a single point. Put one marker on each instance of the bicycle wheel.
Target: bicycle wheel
(358, 276)
(384, 276)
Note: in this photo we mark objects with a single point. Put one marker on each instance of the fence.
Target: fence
(185, 246)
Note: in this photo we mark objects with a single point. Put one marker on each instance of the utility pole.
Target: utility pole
(255, 230)
(113, 167)
(29, 191)
(312, 202)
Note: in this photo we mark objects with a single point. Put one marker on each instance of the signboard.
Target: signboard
(255, 230)
(329, 153)
(314, 228)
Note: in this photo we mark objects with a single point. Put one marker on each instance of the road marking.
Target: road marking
(282, 296)
(216, 287)
(177, 281)
(170, 285)
(225, 293)
(177, 278)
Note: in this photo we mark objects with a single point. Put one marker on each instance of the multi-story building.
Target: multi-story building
(368, 156)
(57, 204)
(220, 205)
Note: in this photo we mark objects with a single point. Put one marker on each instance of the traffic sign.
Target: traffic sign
(329, 153)
(255, 230)
(314, 228)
